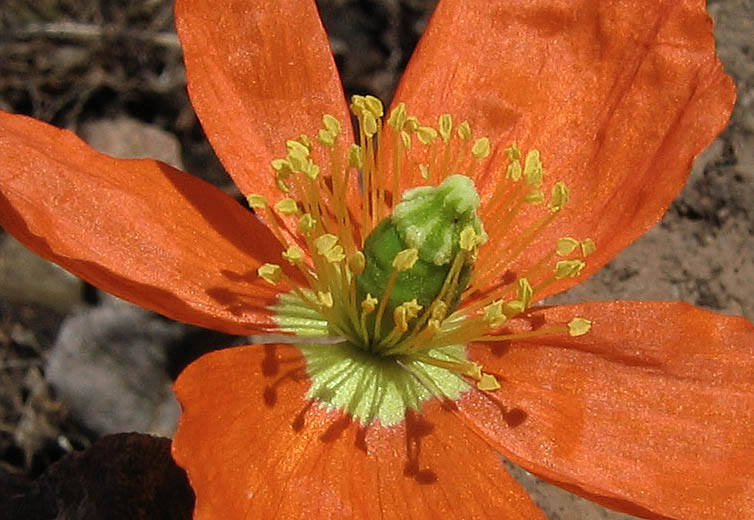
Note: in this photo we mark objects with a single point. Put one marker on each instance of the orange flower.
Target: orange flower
(645, 407)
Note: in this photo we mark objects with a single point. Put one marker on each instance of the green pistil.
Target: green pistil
(429, 219)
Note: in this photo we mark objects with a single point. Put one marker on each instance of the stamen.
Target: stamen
(270, 273)
(568, 268)
(256, 201)
(403, 261)
(464, 131)
(588, 247)
(446, 126)
(493, 314)
(405, 286)
(325, 299)
(357, 262)
(287, 206)
(406, 259)
(566, 245)
(293, 254)
(579, 326)
(488, 383)
(481, 148)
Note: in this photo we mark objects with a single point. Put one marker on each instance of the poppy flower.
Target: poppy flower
(396, 276)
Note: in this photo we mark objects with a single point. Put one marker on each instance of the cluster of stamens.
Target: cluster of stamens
(327, 246)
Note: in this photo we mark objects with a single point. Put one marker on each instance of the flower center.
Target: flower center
(391, 289)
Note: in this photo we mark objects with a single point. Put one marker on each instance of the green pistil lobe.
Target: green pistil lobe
(431, 218)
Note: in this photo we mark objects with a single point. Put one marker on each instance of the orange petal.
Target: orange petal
(139, 229)
(619, 97)
(254, 446)
(259, 73)
(651, 413)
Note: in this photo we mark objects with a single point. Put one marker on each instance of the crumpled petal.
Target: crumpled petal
(138, 229)
(651, 413)
(255, 446)
(259, 73)
(619, 97)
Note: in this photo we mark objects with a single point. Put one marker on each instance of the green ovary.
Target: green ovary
(429, 219)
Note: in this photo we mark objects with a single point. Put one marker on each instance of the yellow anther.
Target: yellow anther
(433, 326)
(405, 259)
(513, 308)
(311, 170)
(297, 160)
(579, 326)
(566, 245)
(355, 158)
(270, 273)
(473, 370)
(325, 242)
(326, 137)
(283, 170)
(438, 310)
(525, 291)
(369, 124)
(405, 139)
(280, 178)
(568, 268)
(400, 319)
(513, 153)
(293, 254)
(481, 148)
(468, 239)
(357, 262)
(493, 314)
(411, 124)
(331, 124)
(256, 201)
(412, 308)
(325, 299)
(464, 131)
(369, 303)
(397, 117)
(374, 105)
(297, 147)
(287, 206)
(514, 171)
(588, 247)
(304, 139)
(488, 383)
(306, 224)
(426, 134)
(335, 254)
(357, 105)
(404, 313)
(534, 197)
(559, 196)
(445, 126)
(424, 171)
(533, 171)
(327, 246)
(280, 164)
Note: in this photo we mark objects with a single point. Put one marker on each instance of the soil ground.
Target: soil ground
(74, 63)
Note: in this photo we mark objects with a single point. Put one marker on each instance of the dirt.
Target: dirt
(74, 63)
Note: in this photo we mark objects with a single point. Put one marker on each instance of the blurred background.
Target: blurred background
(76, 364)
